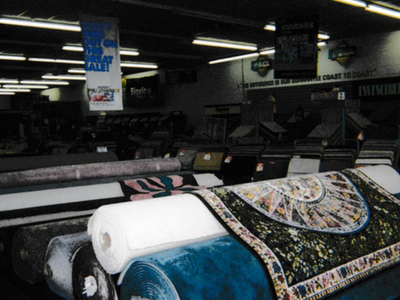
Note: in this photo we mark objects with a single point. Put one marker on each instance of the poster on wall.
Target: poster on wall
(296, 49)
(100, 38)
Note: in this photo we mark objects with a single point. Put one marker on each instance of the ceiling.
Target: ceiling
(163, 30)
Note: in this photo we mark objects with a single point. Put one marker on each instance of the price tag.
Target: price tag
(167, 155)
(260, 167)
(101, 150)
(137, 155)
(228, 159)
(207, 156)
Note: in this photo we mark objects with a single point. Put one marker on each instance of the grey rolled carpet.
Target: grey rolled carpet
(88, 171)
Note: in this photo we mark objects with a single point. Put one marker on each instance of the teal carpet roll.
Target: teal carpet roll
(219, 268)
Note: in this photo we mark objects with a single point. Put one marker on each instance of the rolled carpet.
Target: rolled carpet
(219, 268)
(89, 280)
(88, 171)
(127, 230)
(58, 262)
(30, 244)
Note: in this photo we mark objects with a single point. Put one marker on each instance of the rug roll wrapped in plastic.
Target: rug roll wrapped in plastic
(30, 244)
(219, 268)
(89, 280)
(88, 171)
(58, 262)
(123, 231)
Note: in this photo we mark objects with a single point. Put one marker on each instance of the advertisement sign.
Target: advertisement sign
(296, 49)
(100, 38)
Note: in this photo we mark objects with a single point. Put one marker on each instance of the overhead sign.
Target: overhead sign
(100, 38)
(296, 49)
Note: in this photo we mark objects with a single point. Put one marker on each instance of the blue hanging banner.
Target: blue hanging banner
(100, 38)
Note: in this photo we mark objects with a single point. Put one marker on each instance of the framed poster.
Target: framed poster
(296, 49)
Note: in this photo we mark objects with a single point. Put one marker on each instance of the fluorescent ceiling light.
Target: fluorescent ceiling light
(321, 44)
(270, 27)
(122, 51)
(73, 48)
(267, 52)
(357, 3)
(66, 77)
(77, 71)
(45, 82)
(60, 61)
(128, 52)
(15, 90)
(323, 36)
(138, 65)
(39, 24)
(7, 93)
(16, 86)
(11, 81)
(12, 57)
(223, 44)
(222, 60)
(383, 11)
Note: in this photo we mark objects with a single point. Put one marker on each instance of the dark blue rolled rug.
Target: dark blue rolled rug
(219, 268)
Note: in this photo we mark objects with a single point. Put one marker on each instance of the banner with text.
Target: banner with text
(296, 50)
(100, 38)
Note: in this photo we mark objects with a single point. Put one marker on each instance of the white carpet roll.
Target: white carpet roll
(385, 176)
(208, 180)
(124, 231)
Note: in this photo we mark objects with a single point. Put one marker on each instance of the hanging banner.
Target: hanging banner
(100, 38)
(296, 49)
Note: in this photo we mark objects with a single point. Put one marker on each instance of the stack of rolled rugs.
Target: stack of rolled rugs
(303, 237)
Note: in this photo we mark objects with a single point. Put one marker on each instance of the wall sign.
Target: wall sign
(342, 53)
(296, 50)
(382, 89)
(102, 62)
(262, 65)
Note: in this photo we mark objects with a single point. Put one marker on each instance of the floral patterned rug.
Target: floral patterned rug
(316, 234)
(159, 186)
